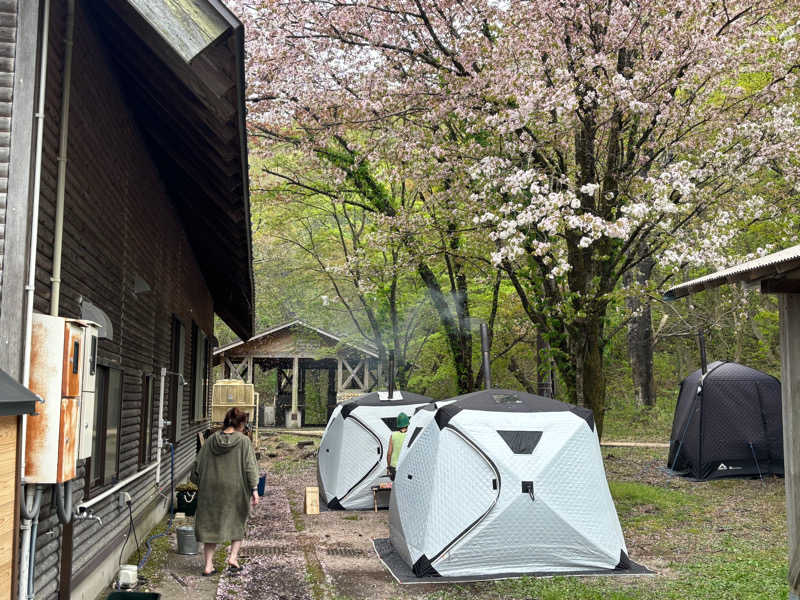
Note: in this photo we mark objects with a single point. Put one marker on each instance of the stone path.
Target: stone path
(272, 555)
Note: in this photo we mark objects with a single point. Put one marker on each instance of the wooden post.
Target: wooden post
(294, 417)
(249, 369)
(789, 312)
(339, 376)
(366, 374)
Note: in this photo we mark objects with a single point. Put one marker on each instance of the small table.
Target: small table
(376, 489)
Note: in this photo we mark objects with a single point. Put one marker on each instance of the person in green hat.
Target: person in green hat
(396, 443)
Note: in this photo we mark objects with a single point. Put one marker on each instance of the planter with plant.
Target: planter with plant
(187, 498)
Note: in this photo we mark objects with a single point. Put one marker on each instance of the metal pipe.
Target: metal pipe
(55, 290)
(32, 558)
(391, 374)
(84, 506)
(703, 362)
(29, 508)
(25, 542)
(487, 373)
(37, 186)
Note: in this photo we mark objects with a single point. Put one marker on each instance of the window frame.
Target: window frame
(97, 462)
(176, 392)
(199, 383)
(146, 419)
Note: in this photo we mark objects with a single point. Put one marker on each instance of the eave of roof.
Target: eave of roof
(767, 267)
(295, 322)
(15, 398)
(190, 105)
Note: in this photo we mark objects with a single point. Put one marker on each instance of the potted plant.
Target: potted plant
(187, 498)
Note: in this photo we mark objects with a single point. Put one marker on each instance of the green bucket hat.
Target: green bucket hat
(402, 420)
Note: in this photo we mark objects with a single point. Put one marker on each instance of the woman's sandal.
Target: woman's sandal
(210, 573)
(234, 568)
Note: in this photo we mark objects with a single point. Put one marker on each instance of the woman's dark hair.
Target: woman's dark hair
(234, 418)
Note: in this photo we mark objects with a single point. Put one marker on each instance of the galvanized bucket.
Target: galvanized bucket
(187, 543)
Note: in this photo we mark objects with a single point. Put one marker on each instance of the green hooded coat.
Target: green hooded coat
(225, 472)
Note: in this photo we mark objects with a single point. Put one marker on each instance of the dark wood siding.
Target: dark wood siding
(120, 225)
(8, 44)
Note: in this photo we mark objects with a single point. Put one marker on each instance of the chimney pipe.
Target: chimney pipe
(487, 373)
(703, 362)
(391, 374)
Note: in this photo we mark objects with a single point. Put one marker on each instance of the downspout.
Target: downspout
(63, 495)
(29, 504)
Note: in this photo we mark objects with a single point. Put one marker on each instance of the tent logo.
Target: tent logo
(724, 467)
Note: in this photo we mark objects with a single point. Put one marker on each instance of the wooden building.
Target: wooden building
(777, 273)
(292, 349)
(142, 141)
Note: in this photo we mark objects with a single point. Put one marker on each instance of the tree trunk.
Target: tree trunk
(519, 374)
(544, 368)
(640, 337)
(590, 380)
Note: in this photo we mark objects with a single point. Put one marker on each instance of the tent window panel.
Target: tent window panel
(521, 442)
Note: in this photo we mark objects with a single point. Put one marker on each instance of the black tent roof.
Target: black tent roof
(502, 400)
(374, 399)
(15, 398)
(731, 371)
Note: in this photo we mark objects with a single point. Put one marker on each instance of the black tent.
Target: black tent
(727, 424)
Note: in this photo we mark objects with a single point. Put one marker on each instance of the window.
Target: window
(146, 422)
(107, 413)
(175, 382)
(199, 372)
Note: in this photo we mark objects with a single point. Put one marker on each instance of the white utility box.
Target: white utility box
(86, 423)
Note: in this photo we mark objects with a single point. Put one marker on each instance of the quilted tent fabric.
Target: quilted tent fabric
(352, 453)
(728, 423)
(501, 481)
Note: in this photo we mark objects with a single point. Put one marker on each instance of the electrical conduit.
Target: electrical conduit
(29, 506)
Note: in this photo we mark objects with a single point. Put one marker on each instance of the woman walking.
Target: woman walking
(226, 474)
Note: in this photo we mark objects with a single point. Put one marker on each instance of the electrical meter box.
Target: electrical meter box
(86, 421)
(58, 362)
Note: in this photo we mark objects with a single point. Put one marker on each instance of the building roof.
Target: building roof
(181, 68)
(772, 266)
(15, 398)
(295, 323)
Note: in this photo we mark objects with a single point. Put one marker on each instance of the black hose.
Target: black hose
(30, 513)
(64, 505)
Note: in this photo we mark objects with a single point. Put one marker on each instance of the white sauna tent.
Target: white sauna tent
(352, 453)
(499, 482)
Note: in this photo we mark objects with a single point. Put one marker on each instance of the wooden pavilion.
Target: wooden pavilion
(292, 349)
(777, 273)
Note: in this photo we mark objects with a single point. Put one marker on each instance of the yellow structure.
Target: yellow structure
(228, 393)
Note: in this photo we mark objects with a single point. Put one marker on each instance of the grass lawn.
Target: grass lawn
(718, 540)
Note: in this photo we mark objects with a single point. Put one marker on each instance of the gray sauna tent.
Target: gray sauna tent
(499, 482)
(352, 453)
(727, 424)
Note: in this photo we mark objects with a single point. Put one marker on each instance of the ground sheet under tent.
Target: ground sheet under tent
(404, 575)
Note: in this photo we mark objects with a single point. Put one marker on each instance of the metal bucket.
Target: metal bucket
(187, 543)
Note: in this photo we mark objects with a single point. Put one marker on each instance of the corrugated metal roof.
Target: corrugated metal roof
(754, 270)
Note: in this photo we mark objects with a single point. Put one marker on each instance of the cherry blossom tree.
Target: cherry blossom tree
(584, 137)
